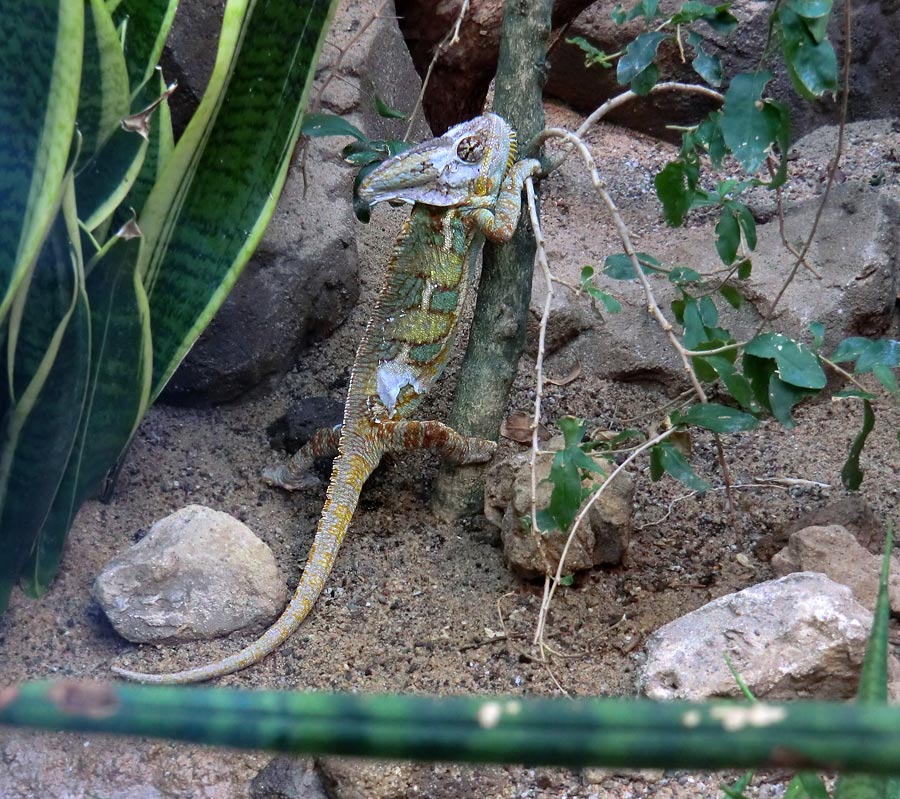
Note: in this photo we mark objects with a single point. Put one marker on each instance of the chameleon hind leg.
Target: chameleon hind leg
(296, 473)
(455, 447)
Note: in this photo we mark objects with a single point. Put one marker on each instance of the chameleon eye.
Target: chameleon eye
(470, 149)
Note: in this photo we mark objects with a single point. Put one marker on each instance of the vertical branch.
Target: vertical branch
(497, 337)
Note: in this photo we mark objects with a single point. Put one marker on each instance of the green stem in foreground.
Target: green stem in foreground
(599, 732)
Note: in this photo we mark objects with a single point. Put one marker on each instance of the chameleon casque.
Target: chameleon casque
(464, 186)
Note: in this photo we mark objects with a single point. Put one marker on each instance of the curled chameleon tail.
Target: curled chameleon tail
(464, 186)
(348, 475)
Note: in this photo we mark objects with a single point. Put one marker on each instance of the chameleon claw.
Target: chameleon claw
(282, 477)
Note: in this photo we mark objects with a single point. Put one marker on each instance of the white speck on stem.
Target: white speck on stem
(489, 715)
(691, 719)
(756, 715)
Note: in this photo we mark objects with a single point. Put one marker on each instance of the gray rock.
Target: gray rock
(601, 540)
(855, 251)
(874, 67)
(852, 512)
(299, 286)
(288, 778)
(834, 551)
(799, 636)
(303, 280)
(198, 574)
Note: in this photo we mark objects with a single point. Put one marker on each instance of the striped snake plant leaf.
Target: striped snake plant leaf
(104, 97)
(37, 116)
(159, 150)
(207, 213)
(609, 732)
(146, 24)
(109, 178)
(117, 397)
(47, 353)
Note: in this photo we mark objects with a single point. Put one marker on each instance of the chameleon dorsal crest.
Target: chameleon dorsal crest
(464, 186)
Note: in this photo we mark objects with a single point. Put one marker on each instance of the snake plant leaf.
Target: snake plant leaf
(111, 174)
(40, 71)
(117, 396)
(159, 150)
(104, 96)
(47, 358)
(147, 24)
(207, 213)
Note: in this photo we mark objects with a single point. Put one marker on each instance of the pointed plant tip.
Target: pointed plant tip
(129, 230)
(140, 122)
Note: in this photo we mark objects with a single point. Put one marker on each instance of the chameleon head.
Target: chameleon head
(468, 161)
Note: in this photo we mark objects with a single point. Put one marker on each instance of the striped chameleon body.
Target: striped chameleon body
(464, 186)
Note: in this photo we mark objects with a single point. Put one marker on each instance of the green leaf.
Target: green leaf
(682, 275)
(644, 81)
(818, 333)
(610, 303)
(592, 55)
(811, 64)
(810, 9)
(315, 125)
(147, 24)
(104, 96)
(384, 110)
(48, 348)
(797, 363)
(159, 150)
(782, 399)
(107, 178)
(718, 418)
(746, 221)
(207, 213)
(118, 392)
(728, 236)
(674, 193)
(879, 356)
(738, 385)
(41, 70)
(705, 65)
(638, 56)
(886, 377)
(665, 457)
(812, 785)
(567, 471)
(748, 125)
(851, 473)
(619, 266)
(567, 580)
(745, 268)
(694, 330)
(732, 296)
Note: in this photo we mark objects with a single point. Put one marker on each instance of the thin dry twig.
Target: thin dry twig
(551, 584)
(449, 40)
(541, 258)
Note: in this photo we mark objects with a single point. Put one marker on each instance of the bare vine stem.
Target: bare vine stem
(541, 258)
(551, 585)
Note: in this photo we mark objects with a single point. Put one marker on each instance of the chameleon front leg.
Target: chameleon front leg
(295, 473)
(499, 222)
(455, 447)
